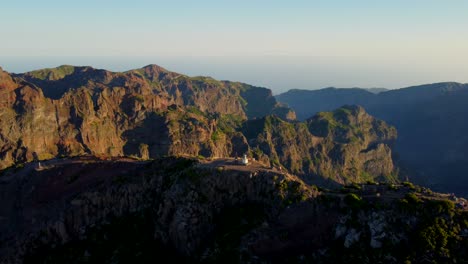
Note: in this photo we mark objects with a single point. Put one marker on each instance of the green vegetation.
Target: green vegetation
(350, 188)
(274, 123)
(323, 124)
(202, 81)
(257, 153)
(329, 117)
(410, 203)
(275, 161)
(412, 198)
(409, 185)
(139, 98)
(353, 201)
(393, 187)
(365, 177)
(439, 233)
(342, 124)
(242, 101)
(139, 72)
(315, 187)
(217, 135)
(18, 166)
(441, 206)
(229, 123)
(354, 186)
(295, 193)
(53, 73)
(435, 238)
(291, 192)
(195, 110)
(392, 177)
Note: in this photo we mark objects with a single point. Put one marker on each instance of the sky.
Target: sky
(277, 44)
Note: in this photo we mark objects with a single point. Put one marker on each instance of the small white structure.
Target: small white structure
(245, 160)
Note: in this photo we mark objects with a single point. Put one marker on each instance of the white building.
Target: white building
(245, 160)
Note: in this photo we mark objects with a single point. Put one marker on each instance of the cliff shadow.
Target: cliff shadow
(149, 139)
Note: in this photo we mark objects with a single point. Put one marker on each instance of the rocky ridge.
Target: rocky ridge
(152, 112)
(86, 210)
(69, 111)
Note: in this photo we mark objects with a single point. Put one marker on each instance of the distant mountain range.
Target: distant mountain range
(376, 90)
(431, 121)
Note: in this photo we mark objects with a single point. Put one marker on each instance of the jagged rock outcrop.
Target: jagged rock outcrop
(347, 145)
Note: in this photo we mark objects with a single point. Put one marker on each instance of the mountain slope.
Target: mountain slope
(430, 119)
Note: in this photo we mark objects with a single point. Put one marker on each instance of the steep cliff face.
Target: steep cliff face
(343, 146)
(156, 88)
(148, 112)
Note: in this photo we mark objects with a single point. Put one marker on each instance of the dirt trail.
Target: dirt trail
(233, 164)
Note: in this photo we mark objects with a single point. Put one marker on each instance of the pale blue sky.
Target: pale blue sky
(278, 44)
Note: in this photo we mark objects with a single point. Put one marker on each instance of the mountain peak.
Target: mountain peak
(154, 69)
(154, 72)
(6, 81)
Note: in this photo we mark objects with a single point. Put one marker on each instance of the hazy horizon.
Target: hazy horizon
(279, 73)
(279, 45)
